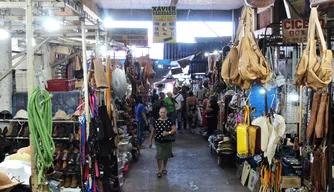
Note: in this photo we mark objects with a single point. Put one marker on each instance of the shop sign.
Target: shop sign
(295, 30)
(130, 36)
(164, 24)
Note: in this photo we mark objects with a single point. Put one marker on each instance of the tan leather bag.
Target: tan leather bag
(320, 124)
(253, 66)
(229, 71)
(99, 74)
(313, 118)
(311, 71)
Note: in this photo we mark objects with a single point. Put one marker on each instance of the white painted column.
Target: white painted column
(6, 85)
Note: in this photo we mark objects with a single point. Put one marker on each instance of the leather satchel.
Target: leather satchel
(311, 71)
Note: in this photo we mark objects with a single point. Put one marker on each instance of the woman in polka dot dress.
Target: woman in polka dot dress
(162, 128)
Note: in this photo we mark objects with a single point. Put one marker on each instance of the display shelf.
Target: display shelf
(26, 138)
(56, 121)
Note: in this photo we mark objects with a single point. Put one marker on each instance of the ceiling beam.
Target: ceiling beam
(182, 15)
(45, 4)
(40, 28)
(22, 35)
(23, 17)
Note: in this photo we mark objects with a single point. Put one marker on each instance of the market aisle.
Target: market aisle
(192, 163)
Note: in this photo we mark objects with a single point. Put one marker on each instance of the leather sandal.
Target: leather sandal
(159, 174)
(65, 155)
(74, 183)
(68, 181)
(164, 171)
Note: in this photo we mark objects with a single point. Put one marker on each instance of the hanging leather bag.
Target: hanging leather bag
(311, 71)
(229, 71)
(253, 66)
(313, 118)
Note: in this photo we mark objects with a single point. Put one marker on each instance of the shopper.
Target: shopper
(205, 106)
(170, 106)
(158, 104)
(212, 115)
(192, 104)
(141, 120)
(200, 91)
(155, 96)
(163, 129)
(184, 93)
(178, 99)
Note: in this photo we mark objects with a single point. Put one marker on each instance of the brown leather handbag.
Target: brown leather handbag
(311, 71)
(314, 113)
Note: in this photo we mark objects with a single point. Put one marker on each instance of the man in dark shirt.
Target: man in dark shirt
(184, 93)
(155, 96)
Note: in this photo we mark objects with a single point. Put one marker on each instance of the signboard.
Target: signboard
(130, 36)
(164, 24)
(295, 30)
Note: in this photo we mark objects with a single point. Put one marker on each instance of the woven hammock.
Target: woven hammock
(259, 3)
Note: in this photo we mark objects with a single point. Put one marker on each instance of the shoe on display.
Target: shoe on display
(68, 181)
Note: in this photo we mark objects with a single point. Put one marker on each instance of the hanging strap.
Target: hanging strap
(247, 115)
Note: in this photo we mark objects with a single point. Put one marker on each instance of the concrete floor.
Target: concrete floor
(192, 163)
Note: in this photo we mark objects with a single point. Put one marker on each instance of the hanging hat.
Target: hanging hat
(60, 115)
(5, 114)
(16, 170)
(5, 182)
(119, 84)
(21, 114)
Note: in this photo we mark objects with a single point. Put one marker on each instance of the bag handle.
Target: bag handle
(246, 115)
(319, 31)
(240, 25)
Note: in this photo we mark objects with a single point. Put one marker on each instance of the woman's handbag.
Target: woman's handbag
(170, 137)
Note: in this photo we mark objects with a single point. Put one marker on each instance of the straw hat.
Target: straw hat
(17, 170)
(21, 114)
(5, 182)
(60, 115)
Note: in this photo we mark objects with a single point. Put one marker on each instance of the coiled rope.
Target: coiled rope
(40, 125)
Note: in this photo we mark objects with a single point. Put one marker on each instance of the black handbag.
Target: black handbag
(170, 137)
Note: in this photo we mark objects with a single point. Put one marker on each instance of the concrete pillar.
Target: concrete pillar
(6, 85)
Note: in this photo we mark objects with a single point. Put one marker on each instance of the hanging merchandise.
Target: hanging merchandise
(119, 84)
(260, 3)
(99, 74)
(242, 133)
(276, 78)
(311, 71)
(40, 125)
(246, 57)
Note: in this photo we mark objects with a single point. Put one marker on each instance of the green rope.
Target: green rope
(40, 125)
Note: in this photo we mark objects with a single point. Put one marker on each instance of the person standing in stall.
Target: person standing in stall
(212, 115)
(155, 96)
(141, 121)
(200, 92)
(192, 104)
(170, 106)
(178, 99)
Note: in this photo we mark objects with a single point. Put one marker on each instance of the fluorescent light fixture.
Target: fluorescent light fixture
(4, 34)
(33, 42)
(160, 66)
(215, 52)
(262, 91)
(206, 54)
(51, 24)
(107, 22)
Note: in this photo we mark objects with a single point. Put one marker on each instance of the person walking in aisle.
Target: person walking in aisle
(170, 106)
(205, 106)
(192, 104)
(164, 131)
(184, 93)
(178, 99)
(141, 120)
(200, 92)
(212, 115)
(155, 96)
